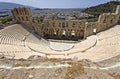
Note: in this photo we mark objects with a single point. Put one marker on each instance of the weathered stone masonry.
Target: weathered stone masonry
(64, 29)
(67, 29)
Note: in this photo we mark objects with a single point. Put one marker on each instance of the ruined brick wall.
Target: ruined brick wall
(67, 29)
(64, 28)
(90, 27)
(105, 21)
(23, 15)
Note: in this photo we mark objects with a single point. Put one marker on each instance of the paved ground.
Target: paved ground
(61, 46)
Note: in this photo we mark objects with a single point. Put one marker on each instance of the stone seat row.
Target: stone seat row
(16, 31)
(110, 41)
(109, 33)
(16, 51)
(12, 33)
(32, 39)
(107, 44)
(11, 41)
(20, 29)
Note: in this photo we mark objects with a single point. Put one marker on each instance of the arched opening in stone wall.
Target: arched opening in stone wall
(94, 31)
(73, 25)
(17, 11)
(19, 18)
(53, 24)
(63, 33)
(59, 24)
(111, 21)
(73, 33)
(22, 18)
(27, 18)
(25, 11)
(66, 24)
(47, 33)
(63, 25)
(55, 33)
(104, 21)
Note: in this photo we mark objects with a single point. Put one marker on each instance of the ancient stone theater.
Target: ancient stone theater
(54, 38)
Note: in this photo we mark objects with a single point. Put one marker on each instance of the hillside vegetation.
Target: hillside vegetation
(102, 8)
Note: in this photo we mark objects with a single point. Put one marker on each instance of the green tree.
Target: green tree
(5, 19)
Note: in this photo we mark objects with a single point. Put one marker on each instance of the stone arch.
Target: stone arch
(24, 11)
(19, 18)
(73, 33)
(22, 18)
(59, 24)
(52, 31)
(55, 32)
(17, 11)
(27, 18)
(63, 32)
(77, 32)
(104, 20)
(73, 24)
(69, 32)
(63, 24)
(59, 32)
(66, 32)
(53, 24)
(66, 24)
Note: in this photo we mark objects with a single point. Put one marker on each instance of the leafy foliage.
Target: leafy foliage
(5, 19)
(99, 9)
(89, 19)
(102, 8)
(38, 19)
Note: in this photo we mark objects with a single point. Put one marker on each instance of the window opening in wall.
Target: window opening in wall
(18, 18)
(63, 33)
(94, 31)
(53, 24)
(73, 33)
(59, 24)
(55, 33)
(104, 21)
(80, 24)
(111, 21)
(63, 25)
(17, 11)
(22, 18)
(67, 24)
(73, 25)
